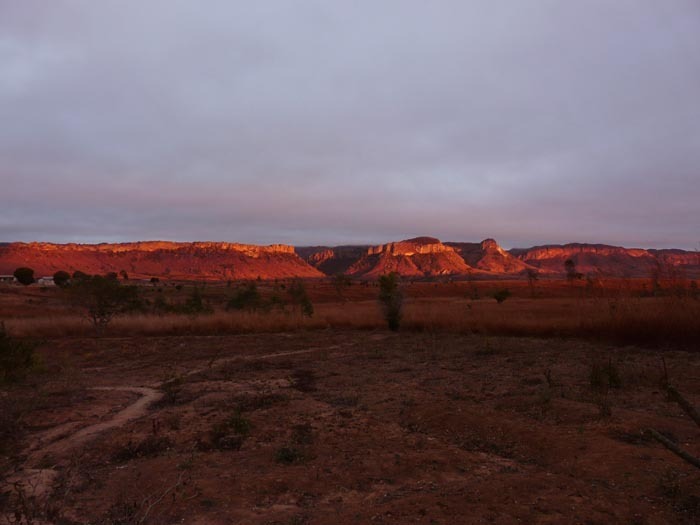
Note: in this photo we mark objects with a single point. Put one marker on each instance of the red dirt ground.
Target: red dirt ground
(338, 427)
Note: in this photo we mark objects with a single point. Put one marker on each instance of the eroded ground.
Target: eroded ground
(326, 427)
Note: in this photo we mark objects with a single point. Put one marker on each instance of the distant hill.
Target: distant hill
(198, 260)
(612, 261)
(420, 257)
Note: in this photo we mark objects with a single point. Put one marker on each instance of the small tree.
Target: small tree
(24, 275)
(80, 276)
(532, 277)
(501, 295)
(299, 297)
(245, 297)
(103, 298)
(391, 298)
(571, 273)
(195, 305)
(340, 282)
(61, 278)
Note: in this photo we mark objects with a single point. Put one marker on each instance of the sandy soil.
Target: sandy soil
(351, 427)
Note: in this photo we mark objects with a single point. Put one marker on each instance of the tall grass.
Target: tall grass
(667, 320)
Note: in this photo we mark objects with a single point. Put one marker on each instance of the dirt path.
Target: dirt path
(137, 409)
(219, 362)
(50, 449)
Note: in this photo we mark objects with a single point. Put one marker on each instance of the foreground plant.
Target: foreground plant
(693, 414)
(16, 357)
(391, 298)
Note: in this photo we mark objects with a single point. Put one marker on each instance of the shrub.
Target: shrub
(340, 282)
(230, 433)
(300, 298)
(16, 357)
(604, 376)
(103, 298)
(61, 278)
(501, 295)
(289, 455)
(195, 305)
(391, 298)
(245, 297)
(80, 276)
(24, 275)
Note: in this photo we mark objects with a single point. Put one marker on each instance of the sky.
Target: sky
(351, 122)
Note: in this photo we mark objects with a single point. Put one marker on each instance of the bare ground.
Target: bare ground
(350, 427)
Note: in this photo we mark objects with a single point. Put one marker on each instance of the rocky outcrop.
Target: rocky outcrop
(418, 257)
(488, 256)
(176, 260)
(613, 261)
(332, 261)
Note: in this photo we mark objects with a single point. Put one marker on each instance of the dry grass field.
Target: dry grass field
(534, 410)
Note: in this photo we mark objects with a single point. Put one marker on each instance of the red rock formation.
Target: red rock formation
(607, 260)
(198, 260)
(419, 257)
(488, 256)
(334, 260)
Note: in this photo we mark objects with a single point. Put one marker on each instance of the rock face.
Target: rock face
(334, 260)
(419, 257)
(488, 256)
(607, 260)
(197, 260)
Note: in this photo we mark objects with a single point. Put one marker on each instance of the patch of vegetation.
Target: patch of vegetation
(24, 275)
(391, 299)
(289, 455)
(245, 297)
(61, 278)
(604, 376)
(304, 380)
(340, 282)
(302, 434)
(230, 433)
(300, 298)
(172, 388)
(16, 357)
(250, 403)
(195, 305)
(151, 446)
(103, 298)
(502, 295)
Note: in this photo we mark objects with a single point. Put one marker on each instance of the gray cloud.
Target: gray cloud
(339, 122)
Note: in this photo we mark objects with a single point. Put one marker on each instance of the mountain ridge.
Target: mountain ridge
(418, 257)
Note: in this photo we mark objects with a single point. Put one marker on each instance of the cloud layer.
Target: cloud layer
(341, 122)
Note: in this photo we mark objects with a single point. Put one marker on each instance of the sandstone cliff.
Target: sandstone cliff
(197, 260)
(418, 257)
(488, 256)
(607, 260)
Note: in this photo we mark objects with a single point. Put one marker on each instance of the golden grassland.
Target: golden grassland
(622, 317)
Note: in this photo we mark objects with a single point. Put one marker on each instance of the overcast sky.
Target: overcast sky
(335, 122)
